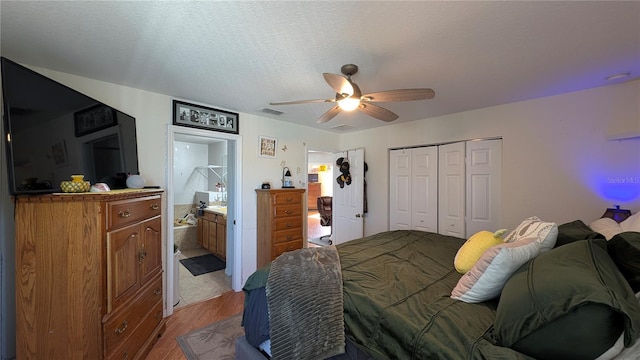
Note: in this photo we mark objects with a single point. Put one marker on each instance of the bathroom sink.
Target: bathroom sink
(218, 209)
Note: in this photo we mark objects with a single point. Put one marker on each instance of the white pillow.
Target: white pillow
(607, 227)
(546, 232)
(488, 275)
(632, 223)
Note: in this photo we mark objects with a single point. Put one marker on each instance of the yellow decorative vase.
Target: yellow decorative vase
(76, 185)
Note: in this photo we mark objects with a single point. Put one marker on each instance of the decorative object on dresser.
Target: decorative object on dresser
(89, 274)
(287, 183)
(279, 222)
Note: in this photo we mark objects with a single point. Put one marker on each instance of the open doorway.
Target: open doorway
(319, 197)
(203, 184)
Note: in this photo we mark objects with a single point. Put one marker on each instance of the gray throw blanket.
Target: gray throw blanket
(304, 296)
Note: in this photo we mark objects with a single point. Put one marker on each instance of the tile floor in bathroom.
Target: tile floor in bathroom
(194, 289)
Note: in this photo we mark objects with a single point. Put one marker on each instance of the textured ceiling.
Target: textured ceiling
(240, 56)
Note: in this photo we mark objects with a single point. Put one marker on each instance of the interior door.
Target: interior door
(484, 182)
(348, 201)
(451, 177)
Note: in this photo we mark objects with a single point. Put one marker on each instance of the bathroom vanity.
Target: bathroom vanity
(212, 230)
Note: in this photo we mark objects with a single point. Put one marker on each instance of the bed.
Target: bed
(396, 300)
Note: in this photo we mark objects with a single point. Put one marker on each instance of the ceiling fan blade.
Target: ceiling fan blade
(400, 95)
(301, 102)
(329, 114)
(338, 83)
(377, 112)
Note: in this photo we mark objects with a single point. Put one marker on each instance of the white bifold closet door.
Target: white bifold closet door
(413, 181)
(484, 186)
(452, 189)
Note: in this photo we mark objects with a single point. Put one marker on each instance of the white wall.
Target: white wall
(186, 178)
(558, 163)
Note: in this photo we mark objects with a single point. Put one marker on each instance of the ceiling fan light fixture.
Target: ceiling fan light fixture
(349, 103)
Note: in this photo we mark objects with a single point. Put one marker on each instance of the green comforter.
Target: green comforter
(397, 304)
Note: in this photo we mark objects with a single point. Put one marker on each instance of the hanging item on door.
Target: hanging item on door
(345, 175)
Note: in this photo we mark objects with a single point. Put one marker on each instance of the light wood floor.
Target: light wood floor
(192, 317)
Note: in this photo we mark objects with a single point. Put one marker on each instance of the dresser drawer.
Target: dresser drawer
(123, 323)
(129, 348)
(288, 223)
(287, 210)
(286, 246)
(287, 235)
(284, 198)
(125, 212)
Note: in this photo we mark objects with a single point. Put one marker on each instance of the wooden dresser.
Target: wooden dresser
(315, 191)
(280, 222)
(89, 275)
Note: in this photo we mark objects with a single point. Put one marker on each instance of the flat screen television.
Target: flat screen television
(52, 132)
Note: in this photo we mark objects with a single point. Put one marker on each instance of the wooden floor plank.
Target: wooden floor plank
(192, 317)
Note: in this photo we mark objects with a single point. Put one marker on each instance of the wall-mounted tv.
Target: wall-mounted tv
(52, 132)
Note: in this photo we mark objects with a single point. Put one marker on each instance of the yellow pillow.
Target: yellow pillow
(473, 248)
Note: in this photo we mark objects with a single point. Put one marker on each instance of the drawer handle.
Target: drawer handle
(289, 225)
(158, 315)
(155, 207)
(289, 199)
(157, 291)
(288, 212)
(124, 214)
(125, 355)
(122, 328)
(288, 237)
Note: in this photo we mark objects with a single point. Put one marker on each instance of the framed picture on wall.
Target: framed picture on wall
(202, 117)
(267, 147)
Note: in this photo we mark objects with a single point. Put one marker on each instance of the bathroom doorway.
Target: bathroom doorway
(319, 184)
(201, 163)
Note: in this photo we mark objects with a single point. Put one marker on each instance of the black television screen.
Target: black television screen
(52, 132)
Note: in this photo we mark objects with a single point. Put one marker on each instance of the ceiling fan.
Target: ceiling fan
(349, 97)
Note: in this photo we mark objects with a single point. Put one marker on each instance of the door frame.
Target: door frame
(234, 218)
(307, 150)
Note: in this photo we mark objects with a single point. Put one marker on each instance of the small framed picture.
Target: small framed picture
(202, 117)
(59, 152)
(92, 119)
(267, 147)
